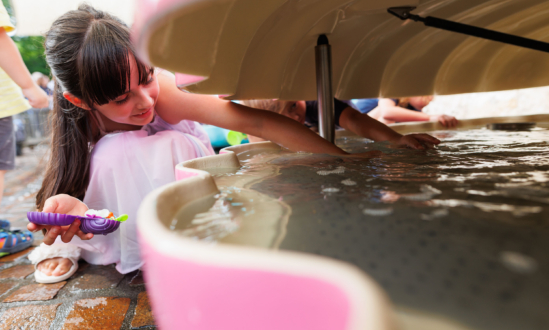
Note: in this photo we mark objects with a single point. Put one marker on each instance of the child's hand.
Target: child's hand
(368, 154)
(37, 97)
(67, 205)
(418, 141)
(445, 120)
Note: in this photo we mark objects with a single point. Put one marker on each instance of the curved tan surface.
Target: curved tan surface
(251, 49)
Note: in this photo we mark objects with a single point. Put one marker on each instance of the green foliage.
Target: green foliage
(32, 51)
(31, 48)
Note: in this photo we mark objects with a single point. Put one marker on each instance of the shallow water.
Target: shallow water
(460, 231)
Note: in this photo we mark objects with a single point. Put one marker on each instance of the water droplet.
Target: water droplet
(348, 182)
(338, 170)
(518, 262)
(378, 212)
(439, 213)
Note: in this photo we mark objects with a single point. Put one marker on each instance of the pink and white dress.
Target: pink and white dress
(125, 167)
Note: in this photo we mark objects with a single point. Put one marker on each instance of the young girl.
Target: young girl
(306, 112)
(405, 109)
(119, 127)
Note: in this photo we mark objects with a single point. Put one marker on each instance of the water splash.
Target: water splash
(378, 212)
(338, 170)
(518, 262)
(349, 182)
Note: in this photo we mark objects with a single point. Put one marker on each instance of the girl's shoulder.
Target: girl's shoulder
(185, 126)
(154, 136)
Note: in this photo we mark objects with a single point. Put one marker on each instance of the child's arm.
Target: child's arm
(12, 63)
(173, 106)
(67, 205)
(365, 126)
(390, 112)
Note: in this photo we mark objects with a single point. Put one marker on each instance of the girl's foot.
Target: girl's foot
(54, 263)
(55, 266)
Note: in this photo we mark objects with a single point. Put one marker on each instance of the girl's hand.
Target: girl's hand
(445, 120)
(67, 205)
(418, 141)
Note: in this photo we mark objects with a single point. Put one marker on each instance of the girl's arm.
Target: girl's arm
(12, 63)
(390, 112)
(393, 113)
(366, 126)
(174, 105)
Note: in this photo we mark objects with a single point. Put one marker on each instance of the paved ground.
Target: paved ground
(96, 297)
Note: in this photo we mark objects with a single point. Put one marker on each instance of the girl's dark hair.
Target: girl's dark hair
(89, 53)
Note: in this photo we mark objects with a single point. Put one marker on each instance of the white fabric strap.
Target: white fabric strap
(44, 252)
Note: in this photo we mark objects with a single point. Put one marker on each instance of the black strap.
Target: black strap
(404, 13)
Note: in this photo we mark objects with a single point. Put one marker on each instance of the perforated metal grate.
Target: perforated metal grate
(461, 232)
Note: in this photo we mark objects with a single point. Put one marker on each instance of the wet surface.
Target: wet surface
(16, 256)
(97, 313)
(21, 186)
(96, 278)
(461, 231)
(143, 314)
(19, 271)
(36, 317)
(6, 287)
(34, 292)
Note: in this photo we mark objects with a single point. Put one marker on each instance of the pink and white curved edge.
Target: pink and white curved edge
(195, 285)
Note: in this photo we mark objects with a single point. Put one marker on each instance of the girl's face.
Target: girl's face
(295, 110)
(136, 106)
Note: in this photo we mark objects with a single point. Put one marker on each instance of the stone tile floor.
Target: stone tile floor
(96, 297)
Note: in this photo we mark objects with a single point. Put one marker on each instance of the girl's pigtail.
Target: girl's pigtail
(67, 171)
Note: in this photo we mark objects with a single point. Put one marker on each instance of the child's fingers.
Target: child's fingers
(427, 138)
(51, 235)
(69, 233)
(83, 236)
(51, 205)
(414, 143)
(34, 227)
(66, 204)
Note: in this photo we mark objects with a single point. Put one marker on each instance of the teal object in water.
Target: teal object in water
(220, 137)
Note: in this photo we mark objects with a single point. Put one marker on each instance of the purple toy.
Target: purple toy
(89, 224)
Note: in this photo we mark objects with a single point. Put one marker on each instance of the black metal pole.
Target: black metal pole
(325, 95)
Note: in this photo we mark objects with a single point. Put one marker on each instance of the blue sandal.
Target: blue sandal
(12, 241)
(4, 224)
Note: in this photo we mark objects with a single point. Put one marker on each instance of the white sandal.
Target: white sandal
(58, 250)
